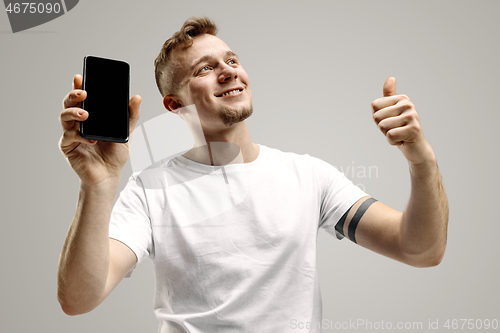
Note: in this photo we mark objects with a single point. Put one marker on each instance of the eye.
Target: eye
(204, 69)
(232, 62)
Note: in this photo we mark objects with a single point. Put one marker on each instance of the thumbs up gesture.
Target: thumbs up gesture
(396, 117)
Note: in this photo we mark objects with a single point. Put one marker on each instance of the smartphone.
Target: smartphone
(106, 82)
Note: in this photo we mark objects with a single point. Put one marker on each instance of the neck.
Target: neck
(229, 146)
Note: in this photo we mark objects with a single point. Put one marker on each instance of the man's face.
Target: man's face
(213, 80)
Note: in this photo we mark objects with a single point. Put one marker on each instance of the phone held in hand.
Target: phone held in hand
(106, 82)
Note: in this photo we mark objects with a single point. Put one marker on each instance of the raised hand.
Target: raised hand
(397, 118)
(93, 161)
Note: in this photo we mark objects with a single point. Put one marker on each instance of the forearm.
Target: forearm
(425, 219)
(84, 261)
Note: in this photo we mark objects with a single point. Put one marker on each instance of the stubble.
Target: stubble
(231, 116)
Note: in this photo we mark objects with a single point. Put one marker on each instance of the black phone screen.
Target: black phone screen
(106, 82)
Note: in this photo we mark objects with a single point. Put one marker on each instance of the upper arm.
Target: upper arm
(121, 261)
(377, 227)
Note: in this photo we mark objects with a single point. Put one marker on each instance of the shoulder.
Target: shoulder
(303, 163)
(303, 158)
(283, 156)
(151, 178)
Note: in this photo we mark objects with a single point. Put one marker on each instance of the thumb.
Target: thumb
(134, 106)
(390, 87)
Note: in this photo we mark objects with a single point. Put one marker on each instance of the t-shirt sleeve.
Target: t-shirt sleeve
(338, 195)
(130, 222)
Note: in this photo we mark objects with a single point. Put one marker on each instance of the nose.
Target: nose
(227, 73)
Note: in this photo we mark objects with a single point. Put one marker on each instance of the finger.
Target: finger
(390, 87)
(72, 139)
(391, 123)
(391, 111)
(77, 81)
(407, 134)
(384, 102)
(68, 117)
(397, 136)
(74, 98)
(134, 106)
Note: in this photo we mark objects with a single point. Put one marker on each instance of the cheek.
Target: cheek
(200, 89)
(244, 77)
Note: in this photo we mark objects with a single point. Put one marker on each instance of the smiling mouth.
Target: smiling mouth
(230, 92)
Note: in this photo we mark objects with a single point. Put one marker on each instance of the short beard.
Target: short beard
(231, 116)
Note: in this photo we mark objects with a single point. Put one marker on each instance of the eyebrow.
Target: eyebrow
(209, 56)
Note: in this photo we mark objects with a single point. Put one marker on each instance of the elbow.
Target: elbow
(70, 311)
(426, 259)
(76, 299)
(424, 254)
(435, 261)
(432, 262)
(69, 307)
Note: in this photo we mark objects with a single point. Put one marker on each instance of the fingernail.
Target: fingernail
(81, 113)
(78, 93)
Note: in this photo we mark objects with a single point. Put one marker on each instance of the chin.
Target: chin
(231, 116)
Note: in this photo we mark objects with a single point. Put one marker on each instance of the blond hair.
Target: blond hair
(165, 67)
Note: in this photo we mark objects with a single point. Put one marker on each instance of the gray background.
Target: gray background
(314, 69)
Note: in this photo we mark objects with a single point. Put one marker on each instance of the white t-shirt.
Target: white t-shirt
(234, 247)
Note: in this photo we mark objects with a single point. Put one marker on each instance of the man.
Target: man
(233, 243)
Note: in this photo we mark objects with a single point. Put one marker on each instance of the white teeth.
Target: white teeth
(231, 92)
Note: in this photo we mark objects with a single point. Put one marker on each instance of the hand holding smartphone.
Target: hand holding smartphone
(106, 82)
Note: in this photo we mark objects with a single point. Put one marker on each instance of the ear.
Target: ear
(171, 103)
